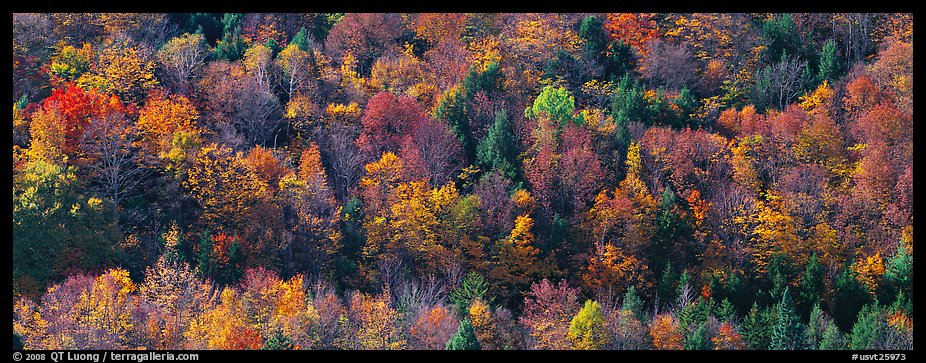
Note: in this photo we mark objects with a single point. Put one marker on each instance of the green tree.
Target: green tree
(832, 339)
(757, 328)
(474, 286)
(555, 103)
(464, 339)
(56, 228)
(279, 341)
(787, 333)
(898, 274)
(869, 327)
(301, 40)
(633, 303)
(586, 330)
(698, 338)
(497, 150)
(849, 296)
(811, 285)
(831, 67)
(231, 47)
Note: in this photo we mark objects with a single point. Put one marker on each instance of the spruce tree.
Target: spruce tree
(464, 339)
(787, 333)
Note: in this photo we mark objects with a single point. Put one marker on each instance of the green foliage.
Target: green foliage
(587, 330)
(781, 37)
(301, 40)
(698, 338)
(787, 333)
(868, 328)
(831, 67)
(555, 103)
(231, 47)
(279, 341)
(832, 339)
(55, 227)
(633, 303)
(848, 298)
(811, 286)
(898, 272)
(627, 104)
(497, 150)
(464, 339)
(756, 328)
(474, 286)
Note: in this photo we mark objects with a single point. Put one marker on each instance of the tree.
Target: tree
(294, 63)
(586, 330)
(497, 151)
(124, 70)
(665, 334)
(831, 67)
(222, 187)
(634, 30)
(474, 287)
(555, 103)
(116, 164)
(464, 338)
(57, 230)
(728, 339)
(787, 333)
(515, 259)
(182, 58)
(548, 310)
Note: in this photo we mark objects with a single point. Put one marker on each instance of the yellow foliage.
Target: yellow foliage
(870, 271)
(821, 96)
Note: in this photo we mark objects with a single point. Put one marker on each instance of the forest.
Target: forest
(369, 181)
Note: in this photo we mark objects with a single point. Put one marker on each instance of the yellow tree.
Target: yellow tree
(223, 326)
(515, 260)
(123, 70)
(222, 186)
(378, 322)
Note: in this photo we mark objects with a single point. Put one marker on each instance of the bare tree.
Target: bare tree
(116, 164)
(182, 57)
(780, 82)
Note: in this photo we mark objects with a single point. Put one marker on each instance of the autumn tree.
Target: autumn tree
(182, 58)
(515, 259)
(548, 310)
(586, 330)
(665, 334)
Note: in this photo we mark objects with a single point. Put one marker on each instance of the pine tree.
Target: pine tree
(633, 303)
(830, 68)
(279, 341)
(868, 328)
(497, 150)
(698, 338)
(464, 339)
(832, 339)
(474, 286)
(787, 334)
(811, 285)
(756, 330)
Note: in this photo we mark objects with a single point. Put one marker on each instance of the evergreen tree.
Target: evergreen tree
(849, 296)
(868, 328)
(831, 67)
(898, 273)
(279, 341)
(787, 334)
(832, 339)
(474, 286)
(301, 40)
(756, 328)
(811, 285)
(633, 303)
(497, 150)
(464, 339)
(698, 338)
